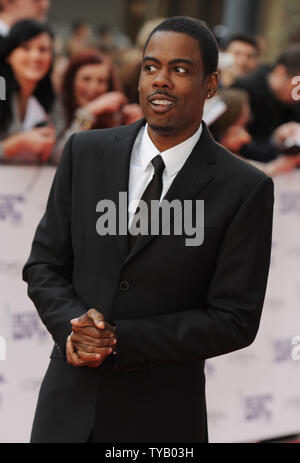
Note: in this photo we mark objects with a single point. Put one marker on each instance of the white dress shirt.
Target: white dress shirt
(4, 29)
(142, 170)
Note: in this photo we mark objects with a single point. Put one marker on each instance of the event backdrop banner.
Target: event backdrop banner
(23, 196)
(252, 394)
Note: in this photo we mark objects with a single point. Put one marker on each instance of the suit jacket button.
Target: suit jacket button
(124, 286)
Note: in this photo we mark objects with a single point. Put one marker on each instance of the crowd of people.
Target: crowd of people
(53, 91)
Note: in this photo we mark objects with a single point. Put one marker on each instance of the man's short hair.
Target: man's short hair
(197, 29)
(290, 59)
(245, 38)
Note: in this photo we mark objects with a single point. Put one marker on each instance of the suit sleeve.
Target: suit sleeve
(234, 301)
(48, 270)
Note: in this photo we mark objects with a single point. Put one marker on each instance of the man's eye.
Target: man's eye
(179, 70)
(150, 68)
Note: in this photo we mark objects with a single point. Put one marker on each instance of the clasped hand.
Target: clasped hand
(91, 341)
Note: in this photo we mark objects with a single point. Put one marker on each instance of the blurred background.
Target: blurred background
(278, 21)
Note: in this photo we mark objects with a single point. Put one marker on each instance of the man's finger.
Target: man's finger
(93, 349)
(92, 331)
(68, 350)
(83, 320)
(87, 357)
(81, 338)
(97, 318)
(71, 354)
(94, 360)
(92, 316)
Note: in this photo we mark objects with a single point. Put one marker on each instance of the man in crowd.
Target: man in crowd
(12, 11)
(139, 311)
(244, 52)
(274, 105)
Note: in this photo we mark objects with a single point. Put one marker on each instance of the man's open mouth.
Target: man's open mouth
(161, 104)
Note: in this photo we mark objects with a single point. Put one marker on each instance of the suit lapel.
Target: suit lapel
(195, 175)
(118, 157)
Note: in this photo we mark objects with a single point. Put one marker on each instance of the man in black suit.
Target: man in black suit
(147, 310)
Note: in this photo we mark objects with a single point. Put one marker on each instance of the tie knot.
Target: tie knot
(158, 164)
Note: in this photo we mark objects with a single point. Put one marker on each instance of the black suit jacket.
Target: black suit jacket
(174, 306)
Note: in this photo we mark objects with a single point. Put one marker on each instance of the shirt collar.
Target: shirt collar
(4, 28)
(174, 158)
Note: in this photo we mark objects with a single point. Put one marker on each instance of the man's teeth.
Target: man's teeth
(162, 102)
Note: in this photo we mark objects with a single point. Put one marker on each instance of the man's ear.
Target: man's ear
(212, 84)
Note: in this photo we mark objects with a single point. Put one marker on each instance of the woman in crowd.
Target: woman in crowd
(26, 56)
(92, 97)
(230, 129)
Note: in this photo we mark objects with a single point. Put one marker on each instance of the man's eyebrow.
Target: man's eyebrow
(173, 61)
(182, 60)
(151, 58)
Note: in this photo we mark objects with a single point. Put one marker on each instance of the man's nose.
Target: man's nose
(162, 80)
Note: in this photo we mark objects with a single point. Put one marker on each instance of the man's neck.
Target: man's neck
(7, 19)
(165, 141)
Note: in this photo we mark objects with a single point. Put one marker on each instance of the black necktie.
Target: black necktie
(152, 192)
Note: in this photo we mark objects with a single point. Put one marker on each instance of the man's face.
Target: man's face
(246, 58)
(172, 85)
(34, 9)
